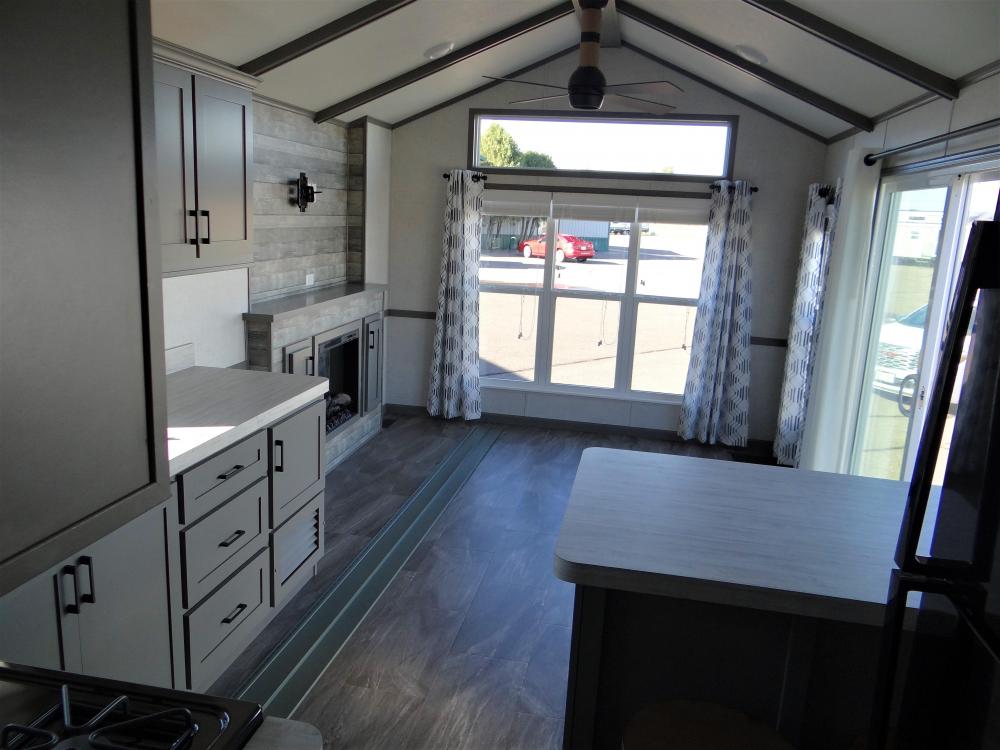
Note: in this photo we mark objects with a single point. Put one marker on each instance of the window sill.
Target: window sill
(569, 390)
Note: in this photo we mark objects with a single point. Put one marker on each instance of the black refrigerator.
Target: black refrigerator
(939, 672)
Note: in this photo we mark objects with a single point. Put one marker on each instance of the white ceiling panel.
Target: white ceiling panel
(952, 37)
(792, 53)
(237, 31)
(394, 44)
(464, 77)
(730, 79)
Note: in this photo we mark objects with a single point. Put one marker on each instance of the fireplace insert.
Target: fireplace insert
(338, 358)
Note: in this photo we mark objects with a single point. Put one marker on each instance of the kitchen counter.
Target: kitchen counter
(759, 588)
(285, 734)
(210, 408)
(783, 540)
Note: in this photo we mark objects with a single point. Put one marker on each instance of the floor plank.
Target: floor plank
(469, 647)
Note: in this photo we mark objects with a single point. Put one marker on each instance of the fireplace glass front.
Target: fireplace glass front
(339, 360)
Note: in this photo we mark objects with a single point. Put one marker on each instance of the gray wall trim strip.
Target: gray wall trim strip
(393, 313)
(766, 341)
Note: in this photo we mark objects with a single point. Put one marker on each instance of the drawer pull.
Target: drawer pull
(231, 473)
(279, 463)
(232, 538)
(70, 570)
(234, 614)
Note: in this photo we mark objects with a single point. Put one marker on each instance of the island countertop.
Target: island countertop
(786, 540)
(211, 408)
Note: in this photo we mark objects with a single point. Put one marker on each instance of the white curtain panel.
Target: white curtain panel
(807, 312)
(716, 406)
(454, 376)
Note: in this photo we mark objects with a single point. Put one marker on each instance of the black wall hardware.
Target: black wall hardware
(304, 192)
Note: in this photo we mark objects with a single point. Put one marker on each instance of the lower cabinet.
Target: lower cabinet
(249, 546)
(102, 612)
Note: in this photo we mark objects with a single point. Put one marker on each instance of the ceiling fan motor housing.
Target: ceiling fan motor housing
(586, 88)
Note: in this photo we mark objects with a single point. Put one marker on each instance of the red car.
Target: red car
(567, 246)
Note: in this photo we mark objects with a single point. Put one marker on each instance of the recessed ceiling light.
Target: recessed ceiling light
(439, 50)
(751, 54)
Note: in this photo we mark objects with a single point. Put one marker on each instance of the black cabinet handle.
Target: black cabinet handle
(208, 227)
(279, 464)
(231, 473)
(70, 570)
(234, 614)
(371, 339)
(192, 240)
(228, 541)
(310, 366)
(88, 562)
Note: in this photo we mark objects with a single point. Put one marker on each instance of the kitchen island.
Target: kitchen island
(756, 587)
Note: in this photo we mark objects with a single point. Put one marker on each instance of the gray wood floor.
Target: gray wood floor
(469, 646)
(362, 494)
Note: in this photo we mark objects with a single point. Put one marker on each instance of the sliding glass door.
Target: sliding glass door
(920, 234)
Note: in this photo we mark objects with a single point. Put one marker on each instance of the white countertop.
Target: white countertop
(786, 540)
(211, 408)
(285, 734)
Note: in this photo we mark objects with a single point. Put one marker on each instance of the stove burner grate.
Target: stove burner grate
(110, 728)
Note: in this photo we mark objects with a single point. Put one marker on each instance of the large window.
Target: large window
(590, 298)
(681, 147)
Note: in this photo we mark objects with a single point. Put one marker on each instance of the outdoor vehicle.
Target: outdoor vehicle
(620, 227)
(567, 246)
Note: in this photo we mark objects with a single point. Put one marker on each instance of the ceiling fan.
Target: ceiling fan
(588, 89)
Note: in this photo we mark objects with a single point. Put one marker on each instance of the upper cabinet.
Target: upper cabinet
(204, 145)
(82, 385)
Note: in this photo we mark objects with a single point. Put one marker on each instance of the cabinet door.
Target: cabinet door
(174, 103)
(299, 358)
(224, 146)
(373, 364)
(297, 460)
(82, 384)
(123, 621)
(29, 629)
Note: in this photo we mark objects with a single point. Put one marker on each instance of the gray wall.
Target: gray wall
(780, 160)
(289, 244)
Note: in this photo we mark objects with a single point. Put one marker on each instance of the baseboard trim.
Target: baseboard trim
(291, 671)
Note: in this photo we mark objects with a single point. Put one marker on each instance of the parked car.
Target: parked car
(897, 361)
(620, 227)
(567, 246)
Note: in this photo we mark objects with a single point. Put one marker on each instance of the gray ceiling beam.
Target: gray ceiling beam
(757, 71)
(323, 35)
(436, 66)
(860, 47)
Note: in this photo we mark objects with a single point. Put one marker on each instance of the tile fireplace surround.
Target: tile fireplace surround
(274, 324)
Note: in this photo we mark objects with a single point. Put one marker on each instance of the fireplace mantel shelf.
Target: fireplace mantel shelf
(296, 304)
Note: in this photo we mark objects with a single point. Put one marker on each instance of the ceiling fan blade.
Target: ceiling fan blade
(530, 83)
(654, 88)
(645, 105)
(539, 99)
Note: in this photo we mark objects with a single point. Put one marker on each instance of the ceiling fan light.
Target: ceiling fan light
(751, 54)
(586, 88)
(439, 50)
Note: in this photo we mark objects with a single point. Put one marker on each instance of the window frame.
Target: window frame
(472, 156)
(629, 301)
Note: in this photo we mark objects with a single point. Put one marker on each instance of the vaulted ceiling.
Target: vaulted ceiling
(379, 67)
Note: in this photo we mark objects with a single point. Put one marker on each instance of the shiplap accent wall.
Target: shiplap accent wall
(356, 137)
(289, 244)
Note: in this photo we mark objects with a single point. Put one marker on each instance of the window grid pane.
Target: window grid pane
(511, 254)
(662, 349)
(508, 335)
(585, 342)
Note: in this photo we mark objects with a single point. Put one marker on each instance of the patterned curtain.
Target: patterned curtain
(807, 311)
(454, 378)
(716, 405)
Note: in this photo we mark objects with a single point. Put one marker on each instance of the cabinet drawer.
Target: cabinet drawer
(222, 541)
(295, 549)
(213, 481)
(221, 626)
(298, 460)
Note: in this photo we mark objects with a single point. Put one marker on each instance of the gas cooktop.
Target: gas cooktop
(41, 709)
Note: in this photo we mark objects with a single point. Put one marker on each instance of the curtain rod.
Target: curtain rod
(871, 159)
(476, 177)
(716, 187)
